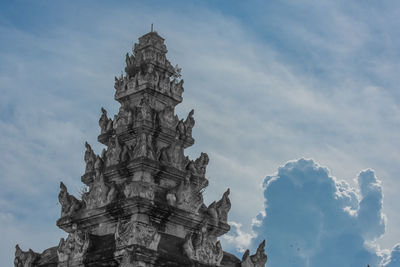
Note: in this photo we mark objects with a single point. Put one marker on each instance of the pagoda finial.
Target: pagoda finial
(152, 27)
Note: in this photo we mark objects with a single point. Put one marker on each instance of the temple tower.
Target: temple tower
(144, 204)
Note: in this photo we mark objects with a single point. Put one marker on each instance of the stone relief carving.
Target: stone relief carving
(74, 247)
(257, 260)
(186, 196)
(176, 88)
(139, 189)
(167, 118)
(100, 193)
(105, 123)
(198, 167)
(146, 112)
(144, 146)
(173, 154)
(90, 158)
(136, 233)
(69, 204)
(124, 117)
(115, 153)
(223, 206)
(131, 64)
(25, 258)
(202, 246)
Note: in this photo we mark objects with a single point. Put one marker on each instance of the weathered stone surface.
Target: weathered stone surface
(144, 204)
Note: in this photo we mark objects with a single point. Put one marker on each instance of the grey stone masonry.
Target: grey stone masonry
(144, 205)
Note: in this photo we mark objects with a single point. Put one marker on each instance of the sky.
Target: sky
(296, 104)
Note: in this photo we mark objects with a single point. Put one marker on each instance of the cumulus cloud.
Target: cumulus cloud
(394, 257)
(312, 219)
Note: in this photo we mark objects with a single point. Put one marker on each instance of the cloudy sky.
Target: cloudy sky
(296, 103)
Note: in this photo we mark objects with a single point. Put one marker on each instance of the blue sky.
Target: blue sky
(270, 81)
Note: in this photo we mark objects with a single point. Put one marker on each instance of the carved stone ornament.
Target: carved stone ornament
(189, 123)
(198, 167)
(144, 146)
(100, 193)
(167, 118)
(113, 153)
(173, 154)
(257, 260)
(223, 206)
(74, 247)
(186, 196)
(90, 158)
(136, 233)
(69, 204)
(177, 88)
(139, 189)
(146, 112)
(105, 123)
(203, 247)
(124, 118)
(25, 258)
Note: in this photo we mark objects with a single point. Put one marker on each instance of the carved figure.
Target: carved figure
(203, 247)
(113, 153)
(74, 247)
(90, 158)
(181, 129)
(167, 118)
(139, 189)
(69, 204)
(136, 233)
(189, 123)
(185, 196)
(100, 193)
(173, 154)
(104, 122)
(198, 167)
(25, 259)
(223, 206)
(130, 68)
(124, 117)
(118, 85)
(146, 112)
(144, 146)
(257, 260)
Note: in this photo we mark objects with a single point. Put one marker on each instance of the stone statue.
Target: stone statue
(130, 68)
(177, 88)
(185, 196)
(124, 117)
(90, 158)
(212, 211)
(173, 154)
(257, 260)
(198, 167)
(113, 153)
(74, 247)
(189, 123)
(144, 146)
(25, 259)
(146, 112)
(104, 122)
(100, 193)
(167, 118)
(203, 246)
(223, 206)
(181, 128)
(69, 204)
(118, 84)
(136, 233)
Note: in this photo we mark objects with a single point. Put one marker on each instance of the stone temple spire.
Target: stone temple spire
(144, 204)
